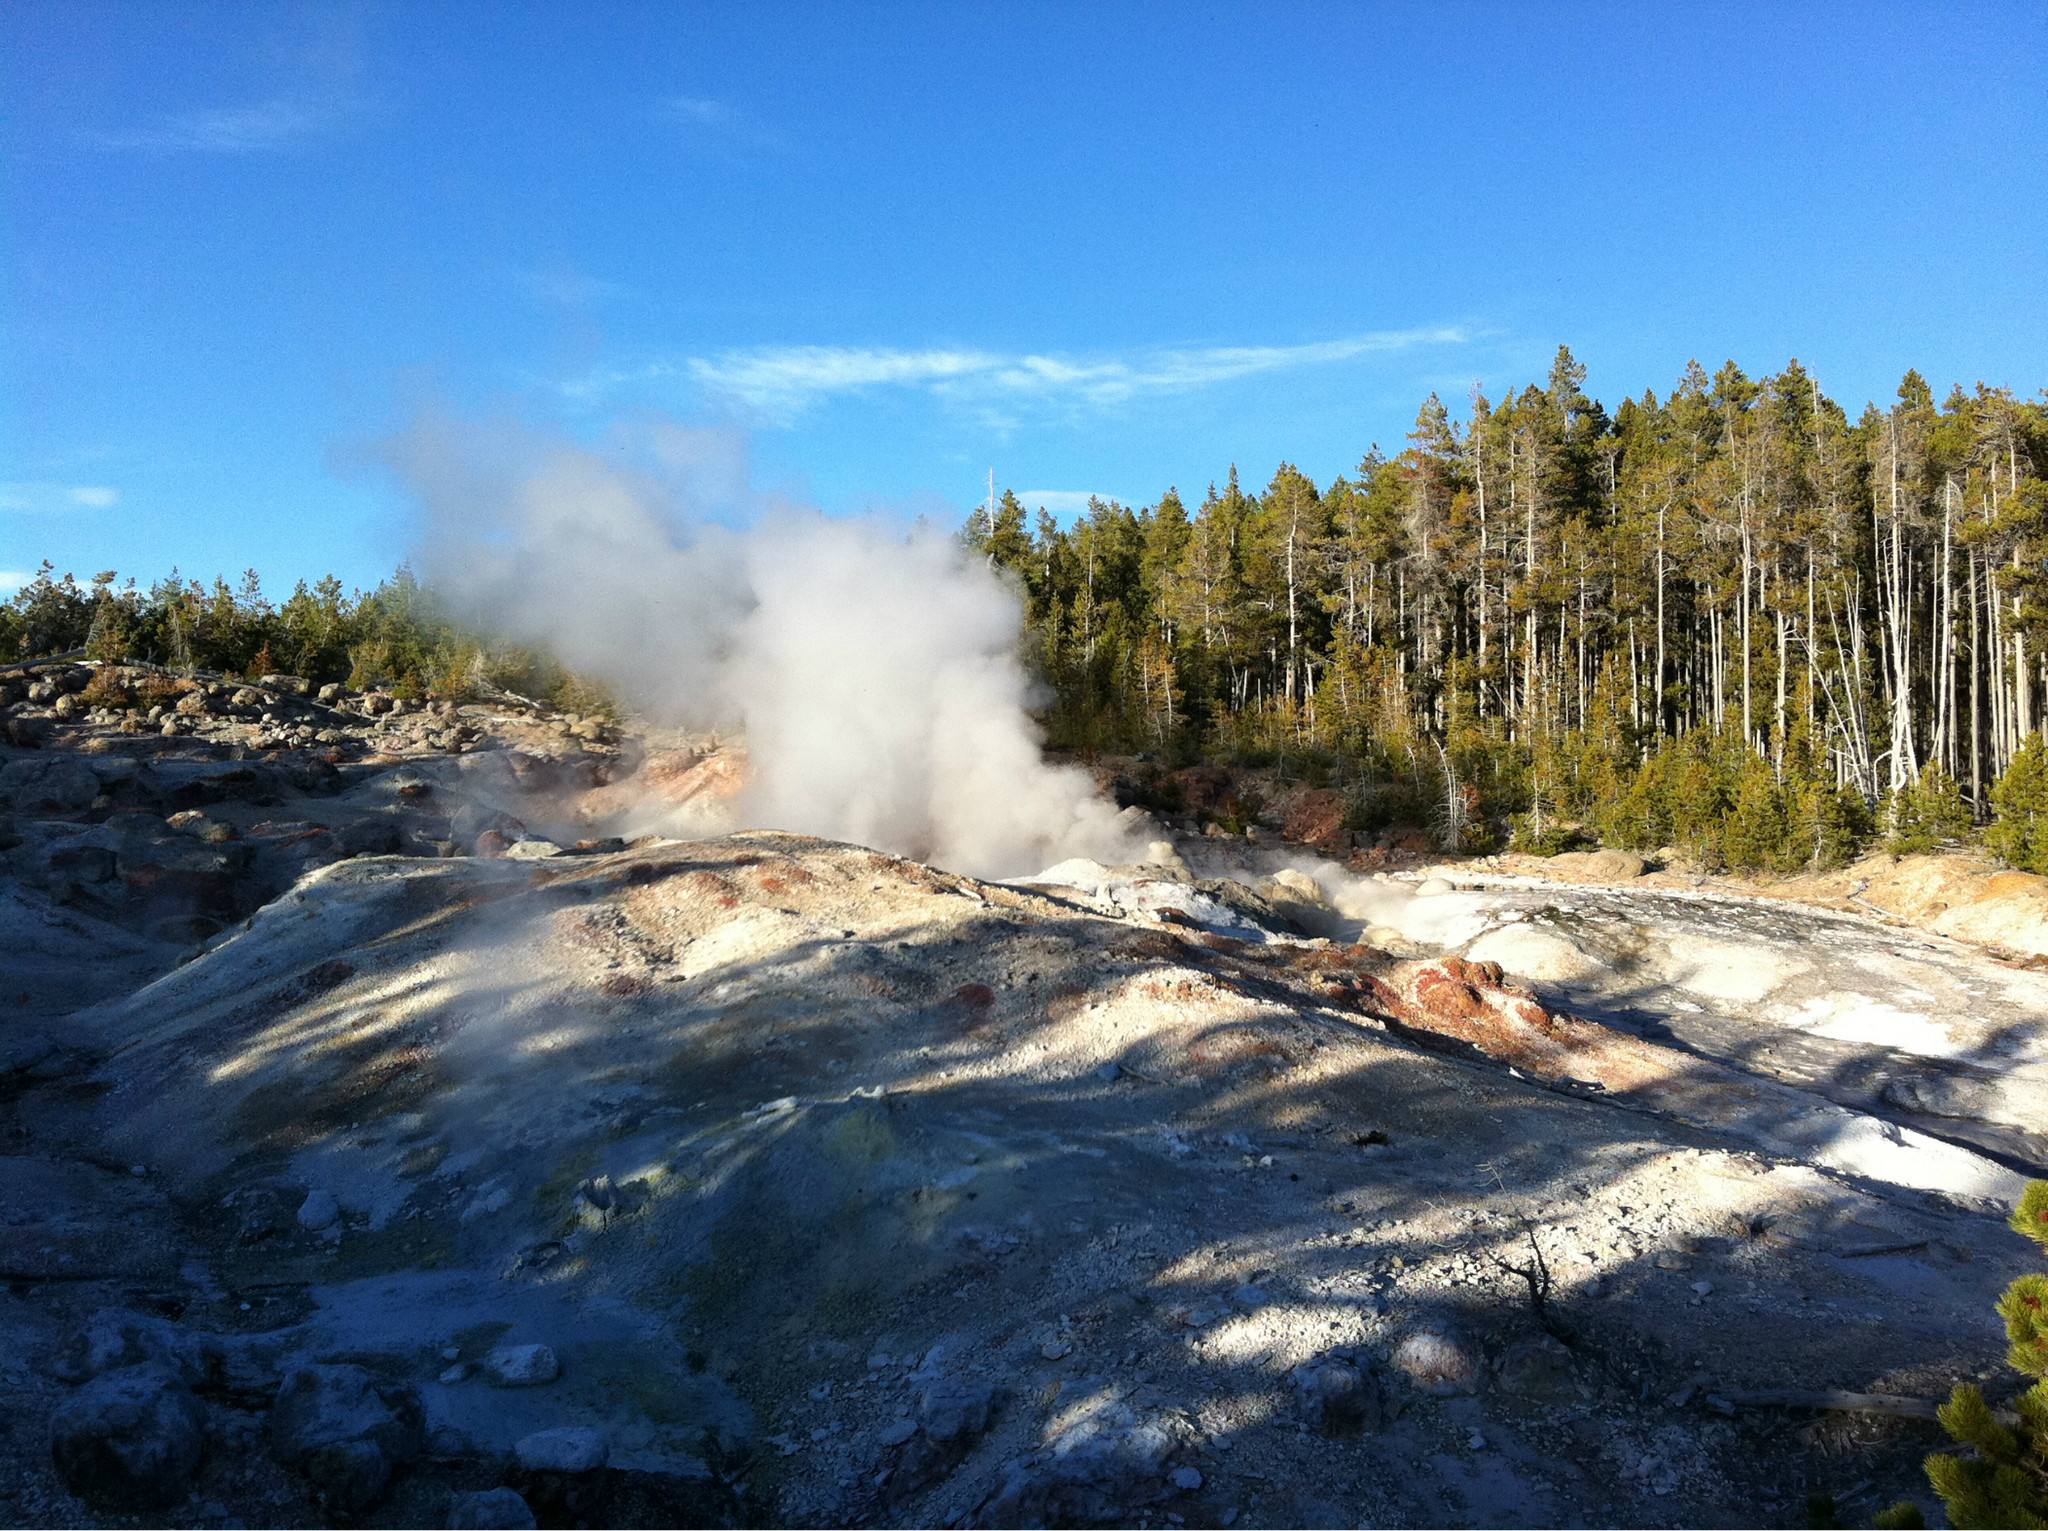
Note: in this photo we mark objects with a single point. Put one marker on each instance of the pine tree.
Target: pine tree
(2005, 1481)
(2018, 835)
(1757, 834)
(1639, 819)
(1826, 824)
(997, 534)
(1928, 813)
(1696, 795)
(112, 629)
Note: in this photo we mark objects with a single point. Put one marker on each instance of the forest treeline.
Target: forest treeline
(1731, 620)
(400, 635)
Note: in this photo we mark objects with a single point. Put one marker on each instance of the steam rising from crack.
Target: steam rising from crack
(873, 667)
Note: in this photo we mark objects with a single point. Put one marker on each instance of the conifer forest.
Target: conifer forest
(1730, 619)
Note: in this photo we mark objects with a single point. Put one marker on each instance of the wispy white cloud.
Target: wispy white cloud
(12, 580)
(779, 383)
(709, 122)
(260, 127)
(698, 109)
(44, 498)
(565, 286)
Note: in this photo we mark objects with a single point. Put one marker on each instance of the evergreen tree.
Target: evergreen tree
(2018, 834)
(113, 627)
(1757, 834)
(2004, 1482)
(1928, 813)
(999, 536)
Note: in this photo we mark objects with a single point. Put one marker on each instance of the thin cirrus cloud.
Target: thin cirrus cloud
(261, 127)
(708, 122)
(780, 383)
(53, 499)
(1060, 502)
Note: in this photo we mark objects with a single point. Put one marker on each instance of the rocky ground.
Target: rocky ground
(393, 1137)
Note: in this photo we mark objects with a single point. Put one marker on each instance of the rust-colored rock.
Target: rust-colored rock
(1203, 788)
(1444, 996)
(1316, 818)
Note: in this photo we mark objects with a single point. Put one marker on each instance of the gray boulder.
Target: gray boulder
(473, 819)
(80, 861)
(114, 1339)
(956, 1409)
(54, 784)
(568, 1449)
(521, 1365)
(130, 1439)
(1340, 1392)
(1098, 1469)
(1440, 1361)
(347, 1430)
(500, 1508)
(1540, 1369)
(370, 837)
(953, 1413)
(319, 1210)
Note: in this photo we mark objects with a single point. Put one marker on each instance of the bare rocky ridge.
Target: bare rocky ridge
(374, 1153)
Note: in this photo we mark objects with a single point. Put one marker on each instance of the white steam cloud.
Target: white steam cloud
(873, 667)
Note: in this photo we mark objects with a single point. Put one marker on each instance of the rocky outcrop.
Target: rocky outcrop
(347, 1430)
(1968, 899)
(760, 1179)
(130, 1439)
(1316, 817)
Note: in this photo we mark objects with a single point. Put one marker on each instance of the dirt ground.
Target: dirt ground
(803, 1184)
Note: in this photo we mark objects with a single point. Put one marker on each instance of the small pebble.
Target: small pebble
(1187, 1479)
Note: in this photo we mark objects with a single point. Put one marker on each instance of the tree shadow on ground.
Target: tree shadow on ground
(1086, 1162)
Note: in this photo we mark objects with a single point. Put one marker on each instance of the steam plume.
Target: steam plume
(873, 667)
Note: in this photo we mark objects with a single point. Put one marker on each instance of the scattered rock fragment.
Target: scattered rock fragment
(521, 1365)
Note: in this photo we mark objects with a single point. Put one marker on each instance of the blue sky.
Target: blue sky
(868, 251)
